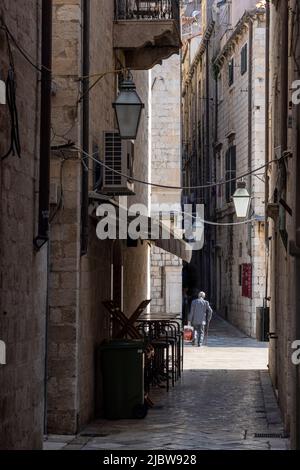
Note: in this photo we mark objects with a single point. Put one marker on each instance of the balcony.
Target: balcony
(146, 32)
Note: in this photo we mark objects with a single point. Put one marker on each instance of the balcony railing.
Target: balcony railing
(147, 10)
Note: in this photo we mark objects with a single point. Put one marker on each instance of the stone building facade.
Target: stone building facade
(282, 198)
(51, 314)
(240, 148)
(197, 135)
(166, 269)
(224, 115)
(79, 284)
(118, 270)
(23, 271)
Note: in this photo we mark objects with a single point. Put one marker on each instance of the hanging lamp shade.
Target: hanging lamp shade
(241, 199)
(128, 108)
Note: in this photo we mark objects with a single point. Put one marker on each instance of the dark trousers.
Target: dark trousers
(199, 334)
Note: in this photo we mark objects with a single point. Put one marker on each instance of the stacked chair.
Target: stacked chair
(163, 344)
(164, 366)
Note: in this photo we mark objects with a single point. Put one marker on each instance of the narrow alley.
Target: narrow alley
(224, 401)
(149, 199)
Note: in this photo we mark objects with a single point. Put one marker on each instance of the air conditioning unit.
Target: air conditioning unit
(118, 160)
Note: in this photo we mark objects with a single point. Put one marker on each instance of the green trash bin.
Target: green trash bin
(123, 379)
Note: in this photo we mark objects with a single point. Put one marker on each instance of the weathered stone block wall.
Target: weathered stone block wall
(136, 260)
(95, 266)
(78, 320)
(235, 242)
(282, 266)
(166, 169)
(23, 272)
(163, 286)
(63, 366)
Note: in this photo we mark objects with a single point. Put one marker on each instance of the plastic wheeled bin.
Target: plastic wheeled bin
(122, 365)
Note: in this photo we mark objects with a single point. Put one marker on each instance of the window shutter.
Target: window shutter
(231, 72)
(244, 59)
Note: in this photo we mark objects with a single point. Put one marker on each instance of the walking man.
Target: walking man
(200, 317)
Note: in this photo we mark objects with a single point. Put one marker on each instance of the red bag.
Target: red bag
(188, 334)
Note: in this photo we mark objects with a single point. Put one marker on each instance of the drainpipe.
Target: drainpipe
(215, 179)
(267, 149)
(250, 147)
(267, 134)
(45, 126)
(44, 166)
(284, 59)
(85, 128)
(208, 169)
(297, 290)
(284, 64)
(295, 251)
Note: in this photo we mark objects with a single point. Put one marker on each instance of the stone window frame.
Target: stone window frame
(230, 171)
(231, 71)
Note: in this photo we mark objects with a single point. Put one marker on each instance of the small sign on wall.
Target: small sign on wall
(247, 281)
(2, 353)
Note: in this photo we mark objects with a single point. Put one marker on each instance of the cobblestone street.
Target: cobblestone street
(224, 401)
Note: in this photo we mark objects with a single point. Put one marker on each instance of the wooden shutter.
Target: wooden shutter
(244, 59)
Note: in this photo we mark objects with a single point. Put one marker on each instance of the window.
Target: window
(220, 88)
(220, 177)
(231, 72)
(244, 59)
(230, 172)
(162, 282)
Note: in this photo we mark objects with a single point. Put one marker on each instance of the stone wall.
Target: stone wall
(79, 284)
(63, 361)
(166, 288)
(283, 266)
(23, 272)
(95, 266)
(136, 260)
(243, 244)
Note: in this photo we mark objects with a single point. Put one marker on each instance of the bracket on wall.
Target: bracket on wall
(294, 249)
(286, 207)
(273, 336)
(273, 211)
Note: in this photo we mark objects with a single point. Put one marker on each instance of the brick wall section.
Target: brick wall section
(23, 273)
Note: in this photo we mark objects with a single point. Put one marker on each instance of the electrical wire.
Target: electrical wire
(98, 80)
(15, 144)
(205, 222)
(40, 67)
(207, 186)
(60, 203)
(26, 56)
(218, 224)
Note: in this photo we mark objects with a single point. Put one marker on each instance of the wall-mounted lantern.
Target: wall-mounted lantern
(241, 199)
(128, 108)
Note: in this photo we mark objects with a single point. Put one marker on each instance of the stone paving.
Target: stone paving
(223, 401)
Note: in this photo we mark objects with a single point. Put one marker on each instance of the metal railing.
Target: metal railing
(151, 10)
